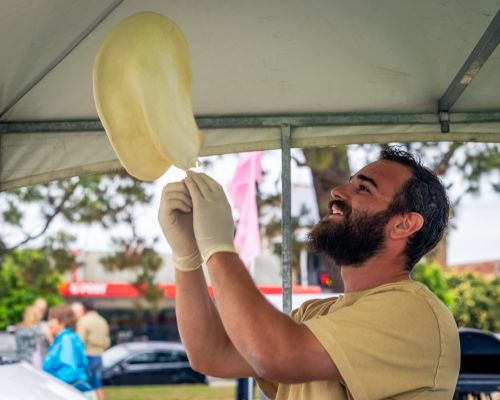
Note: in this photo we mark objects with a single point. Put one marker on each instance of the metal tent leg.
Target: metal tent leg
(286, 217)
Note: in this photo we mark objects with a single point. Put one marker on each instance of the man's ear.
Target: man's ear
(406, 225)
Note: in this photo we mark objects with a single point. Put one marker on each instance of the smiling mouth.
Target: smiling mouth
(335, 210)
(338, 208)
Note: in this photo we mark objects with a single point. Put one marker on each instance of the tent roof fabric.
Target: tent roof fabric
(286, 58)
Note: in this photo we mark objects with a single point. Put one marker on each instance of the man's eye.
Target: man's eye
(363, 188)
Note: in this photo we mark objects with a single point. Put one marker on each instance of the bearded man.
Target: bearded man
(385, 337)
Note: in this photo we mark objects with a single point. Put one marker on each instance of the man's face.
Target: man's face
(351, 240)
(354, 231)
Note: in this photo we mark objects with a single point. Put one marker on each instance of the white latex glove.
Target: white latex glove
(176, 220)
(212, 218)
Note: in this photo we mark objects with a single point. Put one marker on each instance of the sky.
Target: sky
(476, 237)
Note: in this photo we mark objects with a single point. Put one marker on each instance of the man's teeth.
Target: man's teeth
(336, 211)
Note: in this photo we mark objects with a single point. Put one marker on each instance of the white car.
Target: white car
(7, 346)
(22, 381)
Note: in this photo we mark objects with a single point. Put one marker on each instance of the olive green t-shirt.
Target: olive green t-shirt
(395, 341)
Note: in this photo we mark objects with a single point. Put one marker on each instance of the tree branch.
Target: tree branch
(68, 193)
(443, 165)
(299, 163)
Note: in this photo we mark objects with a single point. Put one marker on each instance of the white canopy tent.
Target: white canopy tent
(266, 74)
(335, 71)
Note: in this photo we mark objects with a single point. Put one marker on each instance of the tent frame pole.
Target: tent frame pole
(286, 217)
(263, 121)
(477, 58)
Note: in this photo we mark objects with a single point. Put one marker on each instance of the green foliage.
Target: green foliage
(433, 277)
(479, 160)
(12, 215)
(473, 300)
(26, 274)
(477, 301)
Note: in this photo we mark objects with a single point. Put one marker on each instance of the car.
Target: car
(148, 363)
(480, 365)
(7, 346)
(22, 381)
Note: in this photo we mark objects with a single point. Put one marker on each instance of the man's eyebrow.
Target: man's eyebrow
(365, 178)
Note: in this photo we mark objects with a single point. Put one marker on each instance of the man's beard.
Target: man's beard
(351, 239)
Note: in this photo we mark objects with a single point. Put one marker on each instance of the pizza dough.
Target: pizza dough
(142, 91)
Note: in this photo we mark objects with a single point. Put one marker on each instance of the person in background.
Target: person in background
(41, 304)
(93, 329)
(78, 310)
(66, 358)
(31, 336)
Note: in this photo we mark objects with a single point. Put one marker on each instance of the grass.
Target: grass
(171, 392)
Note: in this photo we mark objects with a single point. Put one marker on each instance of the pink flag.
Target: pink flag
(243, 192)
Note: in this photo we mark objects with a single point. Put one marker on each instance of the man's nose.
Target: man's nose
(340, 192)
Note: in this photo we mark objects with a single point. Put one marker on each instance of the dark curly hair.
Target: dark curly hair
(423, 193)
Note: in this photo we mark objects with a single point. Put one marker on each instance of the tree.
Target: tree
(140, 257)
(30, 267)
(27, 274)
(476, 301)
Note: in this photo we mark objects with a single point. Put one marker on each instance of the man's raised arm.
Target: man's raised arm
(278, 348)
(208, 346)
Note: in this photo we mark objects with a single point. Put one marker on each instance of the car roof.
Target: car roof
(464, 332)
(151, 346)
(22, 381)
(475, 342)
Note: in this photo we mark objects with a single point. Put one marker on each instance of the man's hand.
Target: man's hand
(176, 221)
(212, 218)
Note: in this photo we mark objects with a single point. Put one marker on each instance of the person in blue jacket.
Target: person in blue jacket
(66, 358)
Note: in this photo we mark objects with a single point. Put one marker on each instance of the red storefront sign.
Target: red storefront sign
(126, 290)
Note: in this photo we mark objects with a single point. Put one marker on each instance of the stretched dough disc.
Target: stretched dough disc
(142, 92)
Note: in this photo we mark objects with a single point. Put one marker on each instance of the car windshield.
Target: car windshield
(113, 355)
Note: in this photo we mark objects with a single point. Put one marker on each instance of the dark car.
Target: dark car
(480, 365)
(148, 363)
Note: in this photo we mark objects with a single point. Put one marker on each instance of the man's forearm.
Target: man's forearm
(208, 346)
(256, 328)
(199, 325)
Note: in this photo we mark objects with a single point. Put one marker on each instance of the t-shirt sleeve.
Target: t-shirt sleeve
(381, 345)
